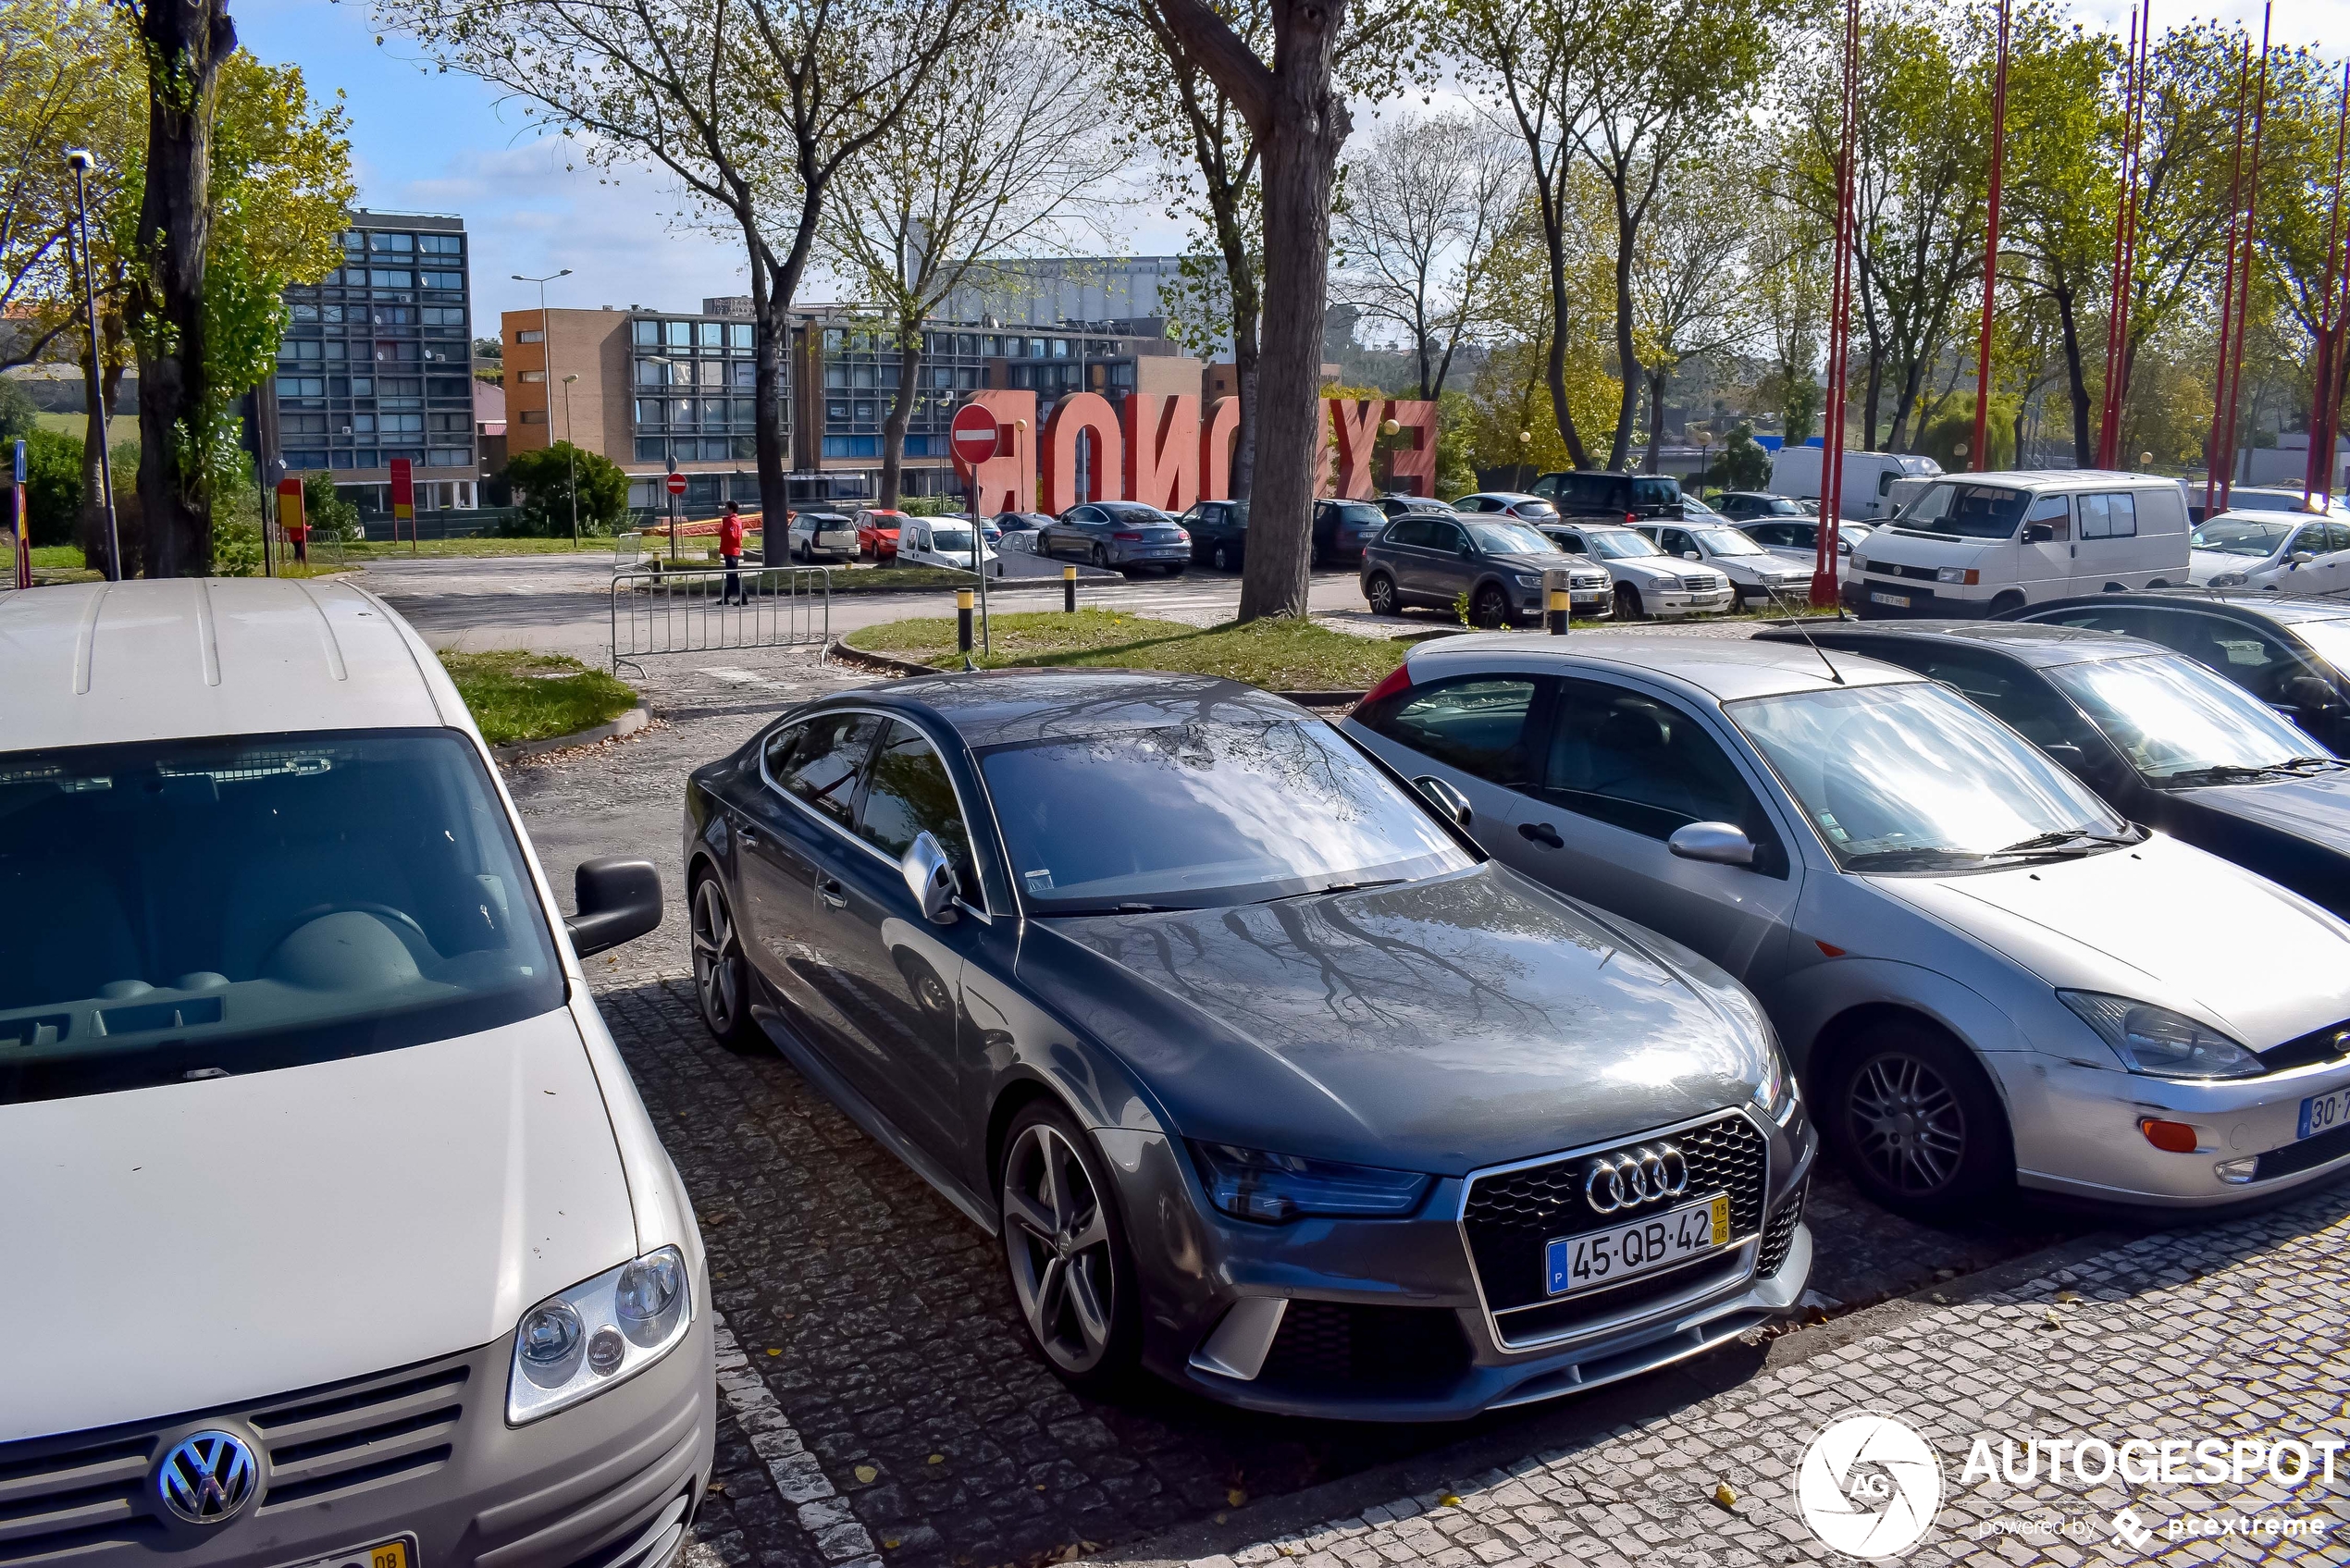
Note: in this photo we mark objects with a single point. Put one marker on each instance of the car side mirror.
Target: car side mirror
(1449, 801)
(2067, 755)
(2310, 694)
(619, 901)
(930, 879)
(1690, 555)
(2038, 532)
(1720, 843)
(2301, 558)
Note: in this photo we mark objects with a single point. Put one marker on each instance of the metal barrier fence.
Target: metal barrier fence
(694, 611)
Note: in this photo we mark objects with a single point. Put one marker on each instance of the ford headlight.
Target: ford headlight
(2228, 580)
(2160, 1042)
(578, 1342)
(1274, 1188)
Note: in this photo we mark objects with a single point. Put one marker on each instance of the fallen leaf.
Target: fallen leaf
(718, 1488)
(1236, 1497)
(866, 1474)
(1222, 1517)
(773, 1351)
(889, 1546)
(2068, 1295)
(935, 1459)
(1724, 1495)
(1941, 1297)
(1448, 1501)
(2053, 1320)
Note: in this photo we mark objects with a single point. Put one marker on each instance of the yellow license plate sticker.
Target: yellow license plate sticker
(1721, 1238)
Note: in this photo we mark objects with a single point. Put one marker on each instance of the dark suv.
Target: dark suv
(1219, 533)
(1495, 563)
(1591, 492)
(1343, 527)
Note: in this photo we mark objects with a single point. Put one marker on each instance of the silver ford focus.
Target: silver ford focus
(1982, 972)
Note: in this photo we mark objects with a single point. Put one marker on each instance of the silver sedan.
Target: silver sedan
(1981, 972)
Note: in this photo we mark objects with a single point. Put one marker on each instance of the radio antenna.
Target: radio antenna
(1796, 621)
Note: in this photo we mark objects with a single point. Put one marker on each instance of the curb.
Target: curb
(628, 723)
(887, 665)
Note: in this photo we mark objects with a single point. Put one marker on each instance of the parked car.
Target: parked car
(1797, 539)
(1212, 1080)
(1021, 530)
(877, 529)
(1525, 507)
(1341, 530)
(1617, 498)
(355, 1242)
(2292, 654)
(1123, 535)
(2255, 497)
(1645, 581)
(944, 541)
(1872, 479)
(1396, 503)
(2160, 738)
(1987, 544)
(1219, 533)
(1758, 577)
(1495, 565)
(1696, 511)
(2273, 553)
(1985, 974)
(822, 536)
(1743, 506)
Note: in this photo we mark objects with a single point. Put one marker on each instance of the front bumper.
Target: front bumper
(1384, 1320)
(422, 1452)
(1583, 604)
(2077, 1132)
(1675, 604)
(1867, 597)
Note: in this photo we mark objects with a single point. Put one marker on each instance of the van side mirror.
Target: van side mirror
(2037, 533)
(1449, 801)
(1720, 843)
(930, 879)
(619, 901)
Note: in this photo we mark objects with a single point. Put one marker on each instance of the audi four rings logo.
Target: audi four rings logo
(1635, 1176)
(207, 1477)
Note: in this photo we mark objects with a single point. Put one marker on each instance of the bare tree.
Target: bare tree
(1009, 158)
(1425, 202)
(753, 105)
(1693, 292)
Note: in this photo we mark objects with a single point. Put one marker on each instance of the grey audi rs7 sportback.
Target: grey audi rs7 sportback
(1268, 1079)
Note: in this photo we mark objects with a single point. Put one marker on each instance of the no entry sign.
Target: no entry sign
(677, 484)
(974, 436)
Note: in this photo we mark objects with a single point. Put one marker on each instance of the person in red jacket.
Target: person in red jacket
(730, 551)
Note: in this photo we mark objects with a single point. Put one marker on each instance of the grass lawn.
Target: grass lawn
(518, 696)
(1281, 655)
(371, 550)
(58, 558)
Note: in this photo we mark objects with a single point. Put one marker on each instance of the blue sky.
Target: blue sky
(429, 142)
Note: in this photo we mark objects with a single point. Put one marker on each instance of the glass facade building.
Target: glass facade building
(692, 384)
(861, 366)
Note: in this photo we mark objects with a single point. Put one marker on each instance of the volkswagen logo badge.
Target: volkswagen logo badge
(1635, 1176)
(207, 1477)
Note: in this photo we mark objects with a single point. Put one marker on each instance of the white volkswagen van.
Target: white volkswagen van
(1984, 544)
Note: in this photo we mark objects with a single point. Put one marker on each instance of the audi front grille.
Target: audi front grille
(1508, 1215)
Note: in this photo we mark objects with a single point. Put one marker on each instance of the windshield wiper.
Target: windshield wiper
(1333, 887)
(1127, 907)
(1892, 859)
(2224, 773)
(2061, 841)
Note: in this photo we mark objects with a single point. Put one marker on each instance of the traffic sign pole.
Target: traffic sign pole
(975, 437)
(676, 496)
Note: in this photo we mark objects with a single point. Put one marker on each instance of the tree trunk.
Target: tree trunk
(901, 409)
(1554, 363)
(186, 41)
(1628, 355)
(1244, 363)
(1873, 389)
(1657, 415)
(1305, 126)
(2076, 381)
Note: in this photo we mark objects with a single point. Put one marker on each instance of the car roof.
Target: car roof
(1004, 707)
(1510, 496)
(1725, 667)
(91, 664)
(2249, 606)
(2057, 478)
(2033, 642)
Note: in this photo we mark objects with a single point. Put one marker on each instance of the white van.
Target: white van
(1868, 477)
(1984, 544)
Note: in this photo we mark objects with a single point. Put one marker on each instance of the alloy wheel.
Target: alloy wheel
(718, 976)
(1382, 595)
(1907, 1124)
(1058, 1239)
(1221, 559)
(1627, 603)
(1101, 556)
(1491, 609)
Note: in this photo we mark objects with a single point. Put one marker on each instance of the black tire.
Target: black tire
(1101, 556)
(721, 976)
(1380, 593)
(1490, 608)
(1222, 557)
(1627, 603)
(1063, 1247)
(1175, 570)
(1914, 1119)
(2006, 604)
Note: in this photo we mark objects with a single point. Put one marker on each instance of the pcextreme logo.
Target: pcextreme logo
(1869, 1486)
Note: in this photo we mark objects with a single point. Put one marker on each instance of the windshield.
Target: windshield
(2176, 720)
(2258, 537)
(949, 540)
(1362, 514)
(1779, 506)
(1202, 814)
(826, 521)
(1914, 777)
(1967, 512)
(1511, 538)
(2331, 639)
(1727, 541)
(193, 910)
(1129, 511)
(1619, 544)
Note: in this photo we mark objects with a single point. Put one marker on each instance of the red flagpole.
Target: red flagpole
(1824, 585)
(2243, 268)
(2121, 284)
(2325, 403)
(2212, 460)
(1982, 449)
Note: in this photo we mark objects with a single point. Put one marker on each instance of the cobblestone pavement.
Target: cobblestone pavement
(2234, 1333)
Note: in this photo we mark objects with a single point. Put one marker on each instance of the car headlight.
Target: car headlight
(2160, 1042)
(602, 1331)
(1776, 1092)
(2228, 580)
(1275, 1189)
(1966, 576)
(1529, 579)
(1859, 564)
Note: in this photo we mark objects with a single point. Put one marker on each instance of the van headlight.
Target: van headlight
(2160, 1042)
(602, 1331)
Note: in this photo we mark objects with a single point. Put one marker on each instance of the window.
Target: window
(864, 414)
(744, 373)
(649, 412)
(836, 411)
(442, 280)
(2052, 513)
(645, 334)
(738, 334)
(1476, 723)
(822, 767)
(450, 457)
(530, 416)
(2108, 517)
(534, 377)
(1060, 347)
(1413, 531)
(1445, 537)
(444, 316)
(685, 411)
(404, 316)
(396, 242)
(1634, 762)
(2009, 692)
(387, 277)
(966, 343)
(651, 449)
(301, 385)
(530, 335)
(441, 245)
(709, 373)
(679, 334)
(909, 792)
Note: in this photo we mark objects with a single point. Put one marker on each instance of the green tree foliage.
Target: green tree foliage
(325, 510)
(19, 416)
(53, 485)
(543, 478)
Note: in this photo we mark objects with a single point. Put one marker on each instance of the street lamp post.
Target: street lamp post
(79, 160)
(570, 455)
(547, 368)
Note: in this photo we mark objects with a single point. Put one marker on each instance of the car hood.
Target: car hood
(1553, 561)
(2162, 922)
(233, 1239)
(1437, 1025)
(1651, 568)
(2316, 809)
(2203, 565)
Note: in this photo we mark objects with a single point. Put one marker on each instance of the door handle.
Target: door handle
(1541, 834)
(747, 834)
(831, 892)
